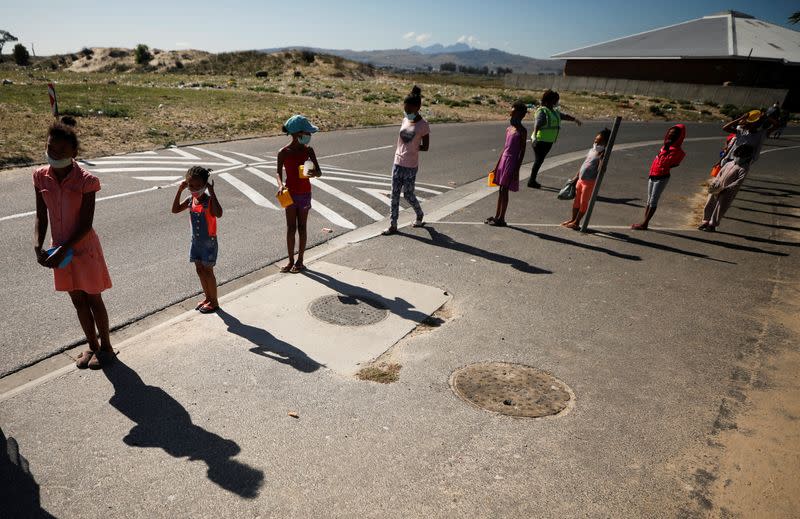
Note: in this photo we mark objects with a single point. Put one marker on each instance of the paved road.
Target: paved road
(146, 246)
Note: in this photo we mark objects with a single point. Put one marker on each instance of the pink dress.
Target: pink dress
(87, 271)
(506, 173)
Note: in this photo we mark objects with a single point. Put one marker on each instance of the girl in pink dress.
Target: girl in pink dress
(506, 172)
(65, 197)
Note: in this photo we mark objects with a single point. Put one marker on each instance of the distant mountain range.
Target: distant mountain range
(423, 58)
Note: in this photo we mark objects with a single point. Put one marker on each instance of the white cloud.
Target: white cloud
(409, 35)
(469, 40)
(422, 38)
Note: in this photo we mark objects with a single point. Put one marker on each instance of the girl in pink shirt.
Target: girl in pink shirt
(65, 198)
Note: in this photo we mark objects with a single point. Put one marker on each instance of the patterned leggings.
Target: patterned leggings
(403, 180)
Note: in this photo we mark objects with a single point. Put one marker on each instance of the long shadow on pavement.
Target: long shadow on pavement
(770, 225)
(397, 306)
(772, 213)
(770, 241)
(162, 422)
(19, 491)
(771, 204)
(565, 241)
(267, 345)
(442, 240)
(733, 246)
(658, 246)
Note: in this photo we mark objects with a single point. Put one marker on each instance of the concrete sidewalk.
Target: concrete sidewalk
(662, 337)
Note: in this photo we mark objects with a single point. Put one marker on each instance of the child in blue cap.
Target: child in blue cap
(290, 158)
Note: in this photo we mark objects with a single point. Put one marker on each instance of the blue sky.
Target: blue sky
(533, 27)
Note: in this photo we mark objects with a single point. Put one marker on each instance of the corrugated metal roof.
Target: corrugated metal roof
(723, 35)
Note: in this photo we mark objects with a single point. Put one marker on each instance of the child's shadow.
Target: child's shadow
(162, 422)
(267, 345)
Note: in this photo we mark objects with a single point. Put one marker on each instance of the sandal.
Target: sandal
(297, 268)
(418, 223)
(498, 223)
(200, 304)
(101, 358)
(638, 227)
(208, 308)
(287, 268)
(83, 359)
(490, 220)
(390, 231)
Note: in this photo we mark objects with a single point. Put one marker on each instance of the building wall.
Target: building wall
(743, 97)
(738, 72)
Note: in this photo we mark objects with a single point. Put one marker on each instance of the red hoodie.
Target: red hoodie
(670, 155)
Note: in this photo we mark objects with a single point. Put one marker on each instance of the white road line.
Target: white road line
(357, 181)
(159, 179)
(326, 212)
(183, 153)
(780, 149)
(169, 162)
(355, 152)
(144, 153)
(355, 173)
(348, 199)
(248, 191)
(133, 170)
(253, 157)
(215, 154)
(384, 195)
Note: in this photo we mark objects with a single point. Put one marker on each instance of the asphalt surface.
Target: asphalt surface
(146, 247)
(659, 334)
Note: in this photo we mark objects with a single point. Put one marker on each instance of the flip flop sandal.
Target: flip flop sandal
(101, 358)
(83, 359)
(201, 303)
(498, 223)
(390, 231)
(287, 268)
(418, 223)
(490, 220)
(298, 268)
(638, 227)
(208, 309)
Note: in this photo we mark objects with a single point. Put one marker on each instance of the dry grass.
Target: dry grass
(383, 373)
(121, 108)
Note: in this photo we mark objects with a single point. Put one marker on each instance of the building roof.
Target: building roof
(729, 34)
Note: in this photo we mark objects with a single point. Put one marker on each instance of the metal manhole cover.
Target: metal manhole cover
(511, 389)
(348, 310)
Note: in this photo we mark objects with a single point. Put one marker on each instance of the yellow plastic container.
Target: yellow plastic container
(284, 197)
(490, 180)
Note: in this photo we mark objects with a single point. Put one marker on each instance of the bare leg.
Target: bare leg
(574, 218)
(211, 286)
(302, 219)
(291, 229)
(80, 300)
(502, 204)
(100, 315)
(200, 270)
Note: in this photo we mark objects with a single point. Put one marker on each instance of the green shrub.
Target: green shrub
(730, 110)
(143, 55)
(74, 111)
(308, 56)
(21, 55)
(656, 110)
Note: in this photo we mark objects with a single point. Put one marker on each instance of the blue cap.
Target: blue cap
(298, 123)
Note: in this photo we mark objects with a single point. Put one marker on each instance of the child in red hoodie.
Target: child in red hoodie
(670, 156)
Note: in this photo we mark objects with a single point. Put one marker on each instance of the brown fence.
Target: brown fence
(743, 97)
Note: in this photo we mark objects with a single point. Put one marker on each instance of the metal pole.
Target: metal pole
(602, 172)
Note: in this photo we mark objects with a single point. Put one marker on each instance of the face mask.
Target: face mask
(197, 193)
(411, 117)
(598, 148)
(58, 164)
(304, 139)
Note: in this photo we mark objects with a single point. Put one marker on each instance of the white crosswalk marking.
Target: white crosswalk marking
(384, 195)
(215, 154)
(248, 191)
(326, 212)
(183, 153)
(358, 181)
(159, 179)
(134, 170)
(344, 197)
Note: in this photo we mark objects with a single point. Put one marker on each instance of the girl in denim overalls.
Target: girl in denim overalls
(204, 209)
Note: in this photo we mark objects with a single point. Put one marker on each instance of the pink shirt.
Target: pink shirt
(64, 198)
(408, 143)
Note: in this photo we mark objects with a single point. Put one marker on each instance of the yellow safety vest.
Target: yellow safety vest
(549, 132)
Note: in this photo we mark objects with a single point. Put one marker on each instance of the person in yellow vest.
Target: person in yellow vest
(546, 125)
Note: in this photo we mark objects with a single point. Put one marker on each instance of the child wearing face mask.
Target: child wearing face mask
(204, 209)
(587, 177)
(506, 171)
(65, 199)
(414, 137)
(290, 158)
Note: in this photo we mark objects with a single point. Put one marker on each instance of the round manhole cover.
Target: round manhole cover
(348, 310)
(511, 389)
